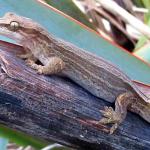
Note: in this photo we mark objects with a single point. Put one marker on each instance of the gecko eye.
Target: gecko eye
(14, 26)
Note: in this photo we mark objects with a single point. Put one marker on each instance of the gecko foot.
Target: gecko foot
(34, 66)
(54, 65)
(110, 117)
(39, 68)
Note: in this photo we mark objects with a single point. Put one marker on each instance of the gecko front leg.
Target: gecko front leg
(30, 59)
(25, 55)
(53, 66)
(117, 116)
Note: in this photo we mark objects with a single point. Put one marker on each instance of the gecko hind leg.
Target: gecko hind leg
(117, 116)
(53, 66)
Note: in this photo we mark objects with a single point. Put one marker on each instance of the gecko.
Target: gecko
(97, 75)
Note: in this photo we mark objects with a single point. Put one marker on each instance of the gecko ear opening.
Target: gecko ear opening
(14, 26)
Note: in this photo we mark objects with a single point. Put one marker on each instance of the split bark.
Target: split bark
(57, 109)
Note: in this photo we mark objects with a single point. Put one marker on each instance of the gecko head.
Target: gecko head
(18, 28)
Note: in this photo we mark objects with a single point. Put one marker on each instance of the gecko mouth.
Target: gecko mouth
(4, 31)
(8, 35)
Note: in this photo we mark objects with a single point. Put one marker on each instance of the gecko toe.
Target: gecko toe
(107, 112)
(110, 117)
(40, 71)
(113, 128)
(28, 62)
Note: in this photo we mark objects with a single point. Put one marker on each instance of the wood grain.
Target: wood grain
(54, 108)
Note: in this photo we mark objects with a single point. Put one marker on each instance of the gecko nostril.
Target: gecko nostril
(9, 15)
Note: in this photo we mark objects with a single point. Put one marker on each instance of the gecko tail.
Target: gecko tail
(144, 89)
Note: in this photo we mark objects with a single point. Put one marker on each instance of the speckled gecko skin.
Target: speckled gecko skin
(95, 74)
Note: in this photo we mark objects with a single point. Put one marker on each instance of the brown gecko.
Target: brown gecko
(95, 74)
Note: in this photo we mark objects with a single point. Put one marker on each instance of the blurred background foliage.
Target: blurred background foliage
(112, 27)
(69, 8)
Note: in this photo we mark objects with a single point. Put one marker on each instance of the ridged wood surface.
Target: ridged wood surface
(54, 108)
